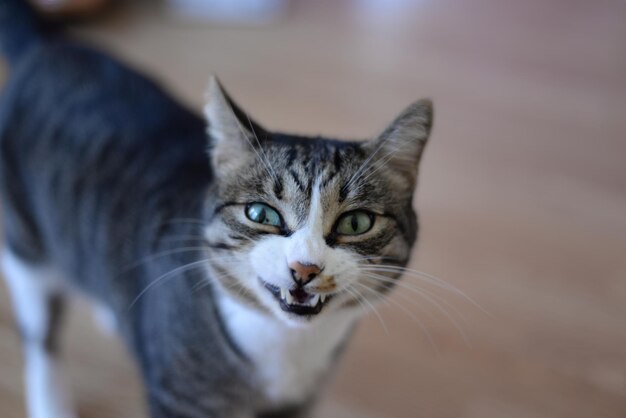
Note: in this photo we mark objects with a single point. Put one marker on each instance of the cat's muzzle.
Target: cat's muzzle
(297, 300)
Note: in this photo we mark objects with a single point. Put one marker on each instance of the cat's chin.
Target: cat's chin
(297, 303)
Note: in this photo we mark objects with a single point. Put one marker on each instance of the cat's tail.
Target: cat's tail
(21, 28)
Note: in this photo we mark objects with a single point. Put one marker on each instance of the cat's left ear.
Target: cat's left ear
(401, 144)
(233, 134)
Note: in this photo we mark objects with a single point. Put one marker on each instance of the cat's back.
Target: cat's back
(84, 137)
(77, 93)
(72, 108)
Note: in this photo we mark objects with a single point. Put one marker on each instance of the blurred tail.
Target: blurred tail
(20, 28)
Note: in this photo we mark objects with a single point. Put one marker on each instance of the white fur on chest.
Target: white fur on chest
(289, 361)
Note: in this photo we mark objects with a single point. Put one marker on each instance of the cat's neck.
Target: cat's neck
(290, 362)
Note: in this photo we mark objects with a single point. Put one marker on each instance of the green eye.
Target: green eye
(263, 214)
(355, 223)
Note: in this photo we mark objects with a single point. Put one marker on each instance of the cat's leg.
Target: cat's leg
(105, 319)
(164, 405)
(300, 411)
(38, 305)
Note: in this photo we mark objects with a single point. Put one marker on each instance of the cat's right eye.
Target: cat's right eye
(263, 214)
(355, 223)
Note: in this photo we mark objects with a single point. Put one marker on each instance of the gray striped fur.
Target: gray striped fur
(114, 185)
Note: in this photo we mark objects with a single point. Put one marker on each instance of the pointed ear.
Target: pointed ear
(401, 144)
(233, 135)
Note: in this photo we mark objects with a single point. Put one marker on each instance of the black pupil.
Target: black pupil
(261, 216)
(354, 223)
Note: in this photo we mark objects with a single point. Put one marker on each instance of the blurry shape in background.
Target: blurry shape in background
(384, 9)
(213, 11)
(229, 11)
(74, 9)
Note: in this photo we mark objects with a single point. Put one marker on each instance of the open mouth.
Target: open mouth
(298, 301)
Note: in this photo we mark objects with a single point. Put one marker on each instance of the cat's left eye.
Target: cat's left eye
(355, 223)
(263, 214)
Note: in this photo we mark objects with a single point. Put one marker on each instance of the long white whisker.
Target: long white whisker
(425, 277)
(165, 276)
(444, 286)
(424, 294)
(444, 302)
(362, 299)
(170, 252)
(185, 220)
(350, 290)
(410, 314)
(377, 165)
(375, 257)
(245, 135)
(177, 238)
(206, 281)
(381, 163)
(261, 148)
(356, 175)
(170, 274)
(161, 254)
(425, 311)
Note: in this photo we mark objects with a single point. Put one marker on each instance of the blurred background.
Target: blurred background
(522, 192)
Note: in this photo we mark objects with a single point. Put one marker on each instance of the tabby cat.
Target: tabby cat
(233, 261)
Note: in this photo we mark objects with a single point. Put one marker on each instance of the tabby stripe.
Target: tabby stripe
(291, 156)
(296, 179)
(221, 246)
(337, 160)
(221, 207)
(278, 189)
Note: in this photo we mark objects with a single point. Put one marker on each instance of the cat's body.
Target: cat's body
(107, 191)
(72, 178)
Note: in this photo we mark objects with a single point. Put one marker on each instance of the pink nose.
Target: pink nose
(302, 273)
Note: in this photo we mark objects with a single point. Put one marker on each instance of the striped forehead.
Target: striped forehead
(308, 164)
(304, 169)
(286, 175)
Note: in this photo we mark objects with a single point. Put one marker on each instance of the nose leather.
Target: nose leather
(302, 273)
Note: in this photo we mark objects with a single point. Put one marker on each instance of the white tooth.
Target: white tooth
(288, 297)
(323, 298)
(314, 300)
(282, 293)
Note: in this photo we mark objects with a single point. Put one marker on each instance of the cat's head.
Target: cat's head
(304, 227)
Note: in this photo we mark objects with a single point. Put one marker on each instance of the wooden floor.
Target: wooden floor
(522, 195)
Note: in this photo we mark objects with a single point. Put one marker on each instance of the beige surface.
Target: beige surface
(523, 195)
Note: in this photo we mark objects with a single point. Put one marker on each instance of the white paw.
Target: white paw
(105, 319)
(48, 391)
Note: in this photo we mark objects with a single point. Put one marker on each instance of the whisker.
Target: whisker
(356, 175)
(261, 148)
(166, 253)
(400, 273)
(430, 299)
(374, 257)
(209, 280)
(185, 220)
(171, 274)
(245, 135)
(379, 164)
(444, 302)
(350, 290)
(416, 274)
(165, 276)
(411, 315)
(176, 238)
(413, 302)
(359, 297)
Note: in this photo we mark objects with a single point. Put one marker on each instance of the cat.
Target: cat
(233, 261)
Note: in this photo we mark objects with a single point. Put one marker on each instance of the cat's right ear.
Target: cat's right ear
(401, 144)
(233, 135)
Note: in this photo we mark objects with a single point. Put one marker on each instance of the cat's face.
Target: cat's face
(302, 228)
